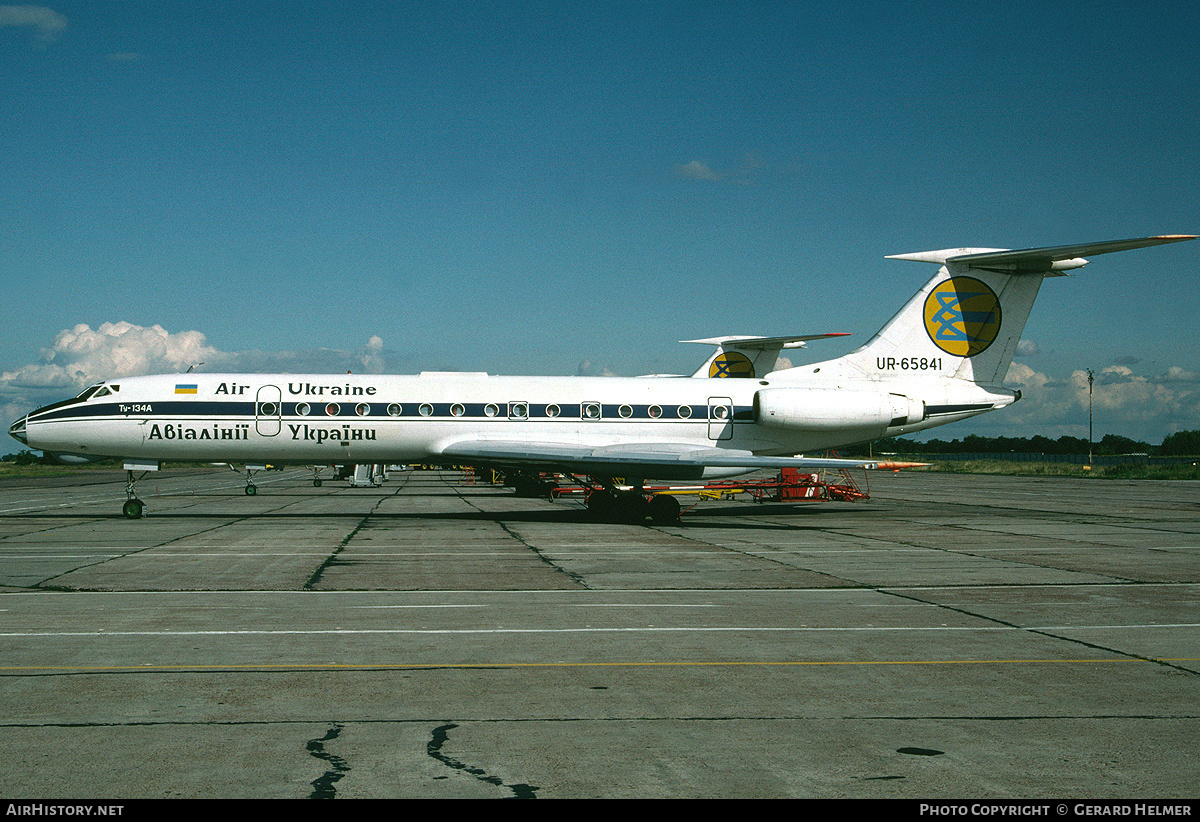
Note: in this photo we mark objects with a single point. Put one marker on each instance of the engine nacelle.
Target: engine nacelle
(824, 409)
(906, 410)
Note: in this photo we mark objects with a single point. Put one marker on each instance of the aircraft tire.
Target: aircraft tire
(601, 505)
(251, 490)
(316, 483)
(132, 509)
(664, 509)
(632, 508)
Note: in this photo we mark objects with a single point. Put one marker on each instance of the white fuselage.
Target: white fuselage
(332, 419)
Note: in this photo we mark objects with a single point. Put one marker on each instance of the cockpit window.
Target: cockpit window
(98, 390)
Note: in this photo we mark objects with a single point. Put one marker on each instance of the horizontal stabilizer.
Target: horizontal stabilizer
(761, 357)
(762, 343)
(1034, 260)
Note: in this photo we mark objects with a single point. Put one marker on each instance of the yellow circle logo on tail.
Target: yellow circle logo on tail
(962, 316)
(731, 364)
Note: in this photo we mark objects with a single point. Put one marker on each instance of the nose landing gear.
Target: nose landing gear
(133, 507)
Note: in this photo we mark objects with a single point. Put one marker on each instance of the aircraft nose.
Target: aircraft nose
(17, 430)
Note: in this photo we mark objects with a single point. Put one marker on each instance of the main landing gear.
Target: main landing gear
(610, 504)
(605, 501)
(532, 487)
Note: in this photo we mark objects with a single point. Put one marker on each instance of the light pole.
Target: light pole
(1091, 377)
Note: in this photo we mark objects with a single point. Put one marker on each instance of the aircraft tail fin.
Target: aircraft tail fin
(967, 320)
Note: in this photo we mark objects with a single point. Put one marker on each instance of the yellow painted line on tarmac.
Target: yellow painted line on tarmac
(362, 666)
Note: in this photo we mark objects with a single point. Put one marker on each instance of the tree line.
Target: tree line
(1182, 443)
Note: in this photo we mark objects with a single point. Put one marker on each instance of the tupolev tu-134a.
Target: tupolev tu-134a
(942, 358)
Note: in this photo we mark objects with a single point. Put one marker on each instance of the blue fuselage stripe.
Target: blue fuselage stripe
(382, 411)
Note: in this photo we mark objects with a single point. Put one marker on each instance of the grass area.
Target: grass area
(1059, 469)
(10, 470)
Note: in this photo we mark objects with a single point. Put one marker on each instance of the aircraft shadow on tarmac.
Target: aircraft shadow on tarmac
(747, 517)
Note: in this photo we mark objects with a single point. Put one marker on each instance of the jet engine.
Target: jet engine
(826, 409)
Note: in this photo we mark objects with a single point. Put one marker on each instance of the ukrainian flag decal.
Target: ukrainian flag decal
(185, 388)
(962, 316)
(731, 364)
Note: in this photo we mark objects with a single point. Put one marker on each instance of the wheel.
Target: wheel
(632, 507)
(664, 509)
(251, 490)
(132, 509)
(601, 505)
(317, 483)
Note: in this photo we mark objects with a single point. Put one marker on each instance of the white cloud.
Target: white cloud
(82, 356)
(1123, 402)
(1177, 374)
(45, 22)
(587, 369)
(371, 356)
(697, 170)
(745, 174)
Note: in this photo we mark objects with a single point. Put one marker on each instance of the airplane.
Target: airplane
(942, 358)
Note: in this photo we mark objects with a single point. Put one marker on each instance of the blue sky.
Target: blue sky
(560, 188)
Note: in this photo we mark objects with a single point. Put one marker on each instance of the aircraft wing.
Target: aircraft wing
(651, 460)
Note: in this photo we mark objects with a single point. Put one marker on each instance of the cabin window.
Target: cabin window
(266, 409)
(684, 412)
(302, 408)
(654, 411)
(625, 411)
(591, 410)
(457, 409)
(518, 411)
(333, 409)
(491, 409)
(426, 409)
(394, 410)
(362, 409)
(553, 410)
